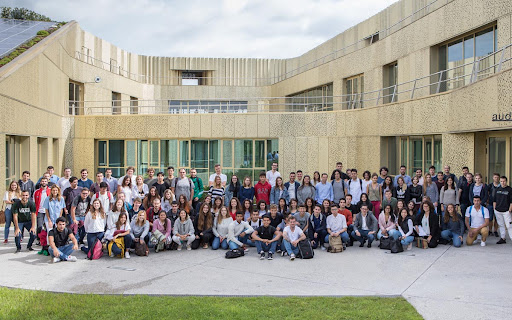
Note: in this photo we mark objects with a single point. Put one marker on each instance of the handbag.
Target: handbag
(422, 243)
(396, 246)
(141, 249)
(385, 243)
(2, 214)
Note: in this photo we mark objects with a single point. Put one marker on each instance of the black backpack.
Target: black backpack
(396, 246)
(305, 249)
(235, 253)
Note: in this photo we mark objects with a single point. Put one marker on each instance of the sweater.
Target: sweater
(262, 192)
(432, 192)
(94, 225)
(235, 228)
(450, 196)
(246, 193)
(305, 192)
(390, 225)
(157, 225)
(456, 227)
(183, 227)
(221, 230)
(139, 231)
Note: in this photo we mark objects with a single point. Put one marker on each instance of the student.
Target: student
(139, 230)
(310, 205)
(160, 186)
(366, 201)
(292, 235)
(477, 222)
(183, 185)
(40, 196)
(306, 190)
(383, 174)
(183, 204)
(123, 230)
(419, 175)
(317, 228)
(491, 190)
(203, 225)
(337, 226)
(70, 194)
(367, 180)
(401, 191)
(405, 226)
(326, 207)
(113, 216)
(84, 182)
(349, 206)
(246, 191)
(129, 173)
(63, 182)
(374, 191)
(247, 209)
(338, 186)
(174, 213)
(54, 207)
(105, 196)
(463, 179)
(94, 224)
(26, 184)
(299, 176)
(53, 178)
(365, 226)
(13, 193)
(262, 189)
(452, 227)
(282, 208)
(95, 187)
(478, 188)
(316, 178)
(112, 182)
(272, 174)
(266, 238)
(151, 179)
(49, 183)
(79, 210)
(449, 194)
(220, 229)
(323, 190)
(198, 189)
(169, 180)
(429, 222)
(430, 190)
(167, 200)
(232, 190)
(234, 206)
(355, 187)
(126, 188)
(440, 181)
(302, 218)
(279, 191)
(433, 174)
(502, 206)
(294, 206)
(464, 191)
(239, 232)
(162, 225)
(24, 217)
(416, 192)
(255, 221)
(348, 216)
(407, 179)
(387, 184)
(218, 173)
(339, 167)
(58, 238)
(387, 224)
(140, 189)
(292, 186)
(448, 174)
(217, 205)
(217, 189)
(275, 217)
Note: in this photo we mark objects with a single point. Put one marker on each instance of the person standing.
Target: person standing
(355, 187)
(24, 216)
(272, 174)
(292, 186)
(183, 185)
(69, 194)
(407, 178)
(84, 182)
(96, 186)
(151, 179)
(11, 195)
(112, 182)
(262, 189)
(502, 207)
(306, 190)
(40, 196)
(198, 189)
(323, 190)
(218, 173)
(339, 167)
(63, 182)
(26, 184)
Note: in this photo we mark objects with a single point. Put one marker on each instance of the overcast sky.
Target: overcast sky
(209, 28)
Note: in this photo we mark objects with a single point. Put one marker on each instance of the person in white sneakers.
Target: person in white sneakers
(239, 232)
(183, 230)
(477, 222)
(502, 205)
(292, 235)
(58, 238)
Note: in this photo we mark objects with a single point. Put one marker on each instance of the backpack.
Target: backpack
(109, 194)
(96, 250)
(385, 243)
(235, 253)
(305, 249)
(117, 247)
(335, 244)
(471, 209)
(360, 184)
(396, 246)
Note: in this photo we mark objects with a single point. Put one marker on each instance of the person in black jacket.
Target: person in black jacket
(416, 192)
(203, 224)
(401, 191)
(317, 228)
(428, 220)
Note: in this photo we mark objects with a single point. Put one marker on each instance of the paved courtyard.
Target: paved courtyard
(442, 283)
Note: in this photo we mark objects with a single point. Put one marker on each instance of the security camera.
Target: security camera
(97, 79)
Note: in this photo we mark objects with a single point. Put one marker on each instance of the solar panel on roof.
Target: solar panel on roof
(15, 32)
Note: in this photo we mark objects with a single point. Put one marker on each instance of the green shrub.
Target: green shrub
(42, 33)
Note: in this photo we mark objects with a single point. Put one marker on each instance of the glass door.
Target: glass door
(497, 157)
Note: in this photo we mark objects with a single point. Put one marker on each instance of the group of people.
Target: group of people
(167, 212)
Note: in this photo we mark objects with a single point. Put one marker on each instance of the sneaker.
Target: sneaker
(112, 254)
(246, 249)
(127, 255)
(322, 248)
(270, 256)
(409, 246)
(6, 241)
(46, 253)
(292, 257)
(38, 243)
(369, 245)
(278, 251)
(262, 255)
(482, 243)
(55, 260)
(40, 252)
(205, 246)
(501, 241)
(72, 259)
(344, 247)
(283, 253)
(18, 250)
(189, 248)
(496, 234)
(179, 247)
(30, 249)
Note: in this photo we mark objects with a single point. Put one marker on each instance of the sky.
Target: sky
(211, 28)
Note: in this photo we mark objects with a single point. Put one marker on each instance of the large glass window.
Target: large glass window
(390, 73)
(315, 99)
(116, 156)
(353, 96)
(497, 156)
(420, 152)
(116, 103)
(199, 154)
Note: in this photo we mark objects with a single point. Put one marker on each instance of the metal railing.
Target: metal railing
(441, 81)
(266, 81)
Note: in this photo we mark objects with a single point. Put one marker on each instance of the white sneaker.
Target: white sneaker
(292, 257)
(112, 254)
(127, 255)
(72, 259)
(55, 259)
(179, 247)
(189, 248)
(409, 246)
(323, 248)
(482, 243)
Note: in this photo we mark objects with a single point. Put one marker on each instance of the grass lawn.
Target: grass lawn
(27, 304)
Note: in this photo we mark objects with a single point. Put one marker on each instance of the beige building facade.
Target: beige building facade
(421, 83)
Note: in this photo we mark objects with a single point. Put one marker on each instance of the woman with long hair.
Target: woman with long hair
(216, 190)
(428, 221)
(220, 229)
(262, 208)
(167, 200)
(316, 178)
(449, 194)
(416, 192)
(162, 228)
(306, 190)
(310, 205)
(152, 195)
(282, 208)
(183, 204)
(122, 231)
(405, 227)
(401, 192)
(293, 208)
(387, 224)
(140, 189)
(338, 186)
(279, 191)
(452, 226)
(203, 225)
(126, 188)
(247, 209)
(54, 206)
(140, 229)
(232, 190)
(217, 205)
(183, 231)
(365, 201)
(13, 193)
(387, 184)
(326, 207)
(246, 190)
(374, 191)
(367, 180)
(113, 216)
(234, 207)
(430, 190)
(94, 224)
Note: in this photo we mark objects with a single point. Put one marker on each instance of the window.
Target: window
(76, 98)
(12, 158)
(373, 38)
(315, 99)
(354, 88)
(418, 152)
(206, 106)
(116, 103)
(497, 156)
(390, 81)
(193, 78)
(134, 105)
(55, 156)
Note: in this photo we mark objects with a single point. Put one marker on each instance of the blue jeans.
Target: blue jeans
(270, 248)
(395, 234)
(91, 237)
(490, 208)
(81, 231)
(245, 240)
(407, 240)
(216, 243)
(23, 226)
(64, 251)
(344, 237)
(290, 248)
(364, 236)
(448, 235)
(8, 221)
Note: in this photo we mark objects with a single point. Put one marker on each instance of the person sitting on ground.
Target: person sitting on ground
(161, 231)
(154, 212)
(365, 226)
(113, 216)
(183, 231)
(139, 229)
(477, 222)
(348, 216)
(453, 227)
(220, 229)
(275, 217)
(317, 228)
(266, 238)
(94, 224)
(24, 217)
(239, 232)
(292, 235)
(123, 231)
(174, 213)
(255, 222)
(203, 225)
(58, 239)
(302, 218)
(406, 229)
(387, 224)
(428, 220)
(337, 226)
(134, 211)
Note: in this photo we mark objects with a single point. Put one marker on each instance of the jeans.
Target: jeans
(504, 222)
(407, 240)
(8, 221)
(395, 234)
(290, 248)
(320, 239)
(91, 237)
(22, 226)
(64, 251)
(270, 248)
(364, 236)
(449, 235)
(216, 243)
(491, 213)
(344, 237)
(245, 240)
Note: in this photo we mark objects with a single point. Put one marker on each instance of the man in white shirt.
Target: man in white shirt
(292, 235)
(273, 174)
(337, 226)
(218, 172)
(63, 182)
(292, 186)
(477, 221)
(355, 187)
(238, 232)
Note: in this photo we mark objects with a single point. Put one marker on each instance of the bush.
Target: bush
(43, 33)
